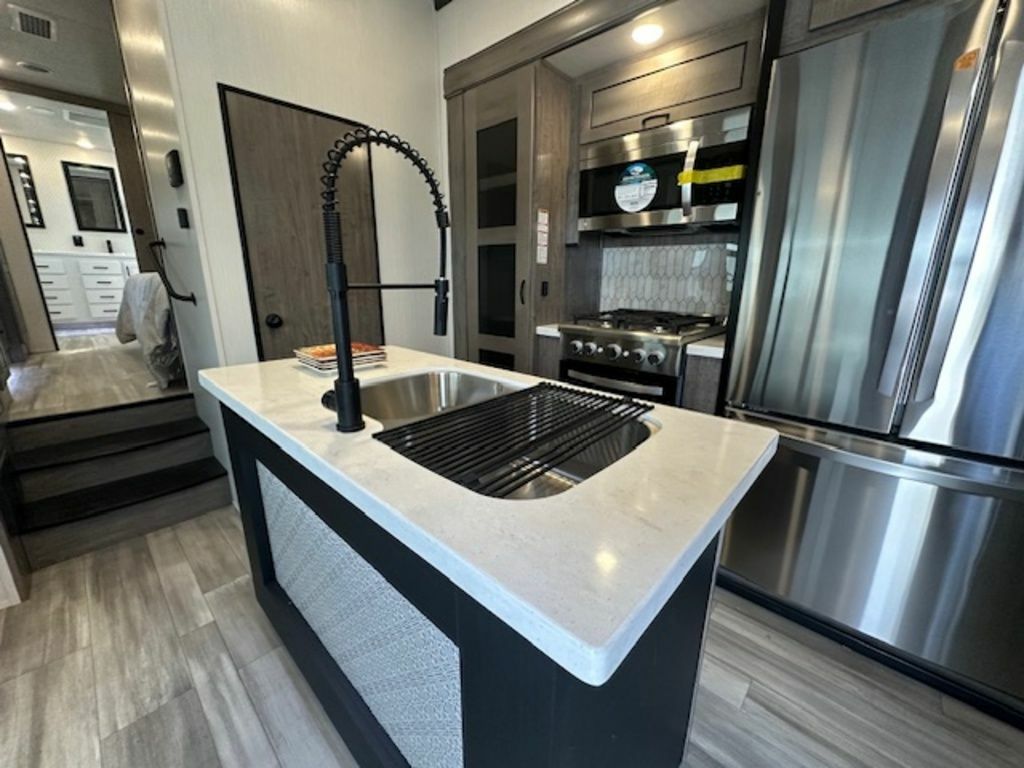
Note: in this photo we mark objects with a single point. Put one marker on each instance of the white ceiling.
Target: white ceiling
(680, 19)
(45, 120)
(84, 59)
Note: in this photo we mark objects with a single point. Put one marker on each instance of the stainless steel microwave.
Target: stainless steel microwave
(690, 172)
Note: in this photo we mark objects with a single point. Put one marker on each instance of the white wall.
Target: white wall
(44, 159)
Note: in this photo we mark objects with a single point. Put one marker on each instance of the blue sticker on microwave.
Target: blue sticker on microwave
(637, 187)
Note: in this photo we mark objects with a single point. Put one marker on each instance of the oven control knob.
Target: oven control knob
(657, 357)
(638, 355)
(576, 346)
(613, 351)
(589, 348)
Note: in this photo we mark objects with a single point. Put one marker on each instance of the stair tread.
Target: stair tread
(97, 499)
(86, 448)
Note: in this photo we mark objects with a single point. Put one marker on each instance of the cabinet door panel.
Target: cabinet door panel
(498, 152)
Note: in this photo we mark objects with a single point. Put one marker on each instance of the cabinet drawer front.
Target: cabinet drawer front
(92, 282)
(50, 265)
(55, 297)
(57, 314)
(53, 281)
(104, 311)
(100, 267)
(687, 81)
(107, 296)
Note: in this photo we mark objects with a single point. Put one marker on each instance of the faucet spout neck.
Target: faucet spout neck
(344, 397)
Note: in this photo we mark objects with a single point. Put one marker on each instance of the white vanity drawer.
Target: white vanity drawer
(131, 269)
(61, 313)
(104, 311)
(104, 296)
(53, 281)
(56, 298)
(50, 265)
(100, 267)
(93, 282)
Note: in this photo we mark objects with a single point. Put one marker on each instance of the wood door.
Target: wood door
(276, 151)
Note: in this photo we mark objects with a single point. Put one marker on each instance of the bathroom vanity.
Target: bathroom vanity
(440, 627)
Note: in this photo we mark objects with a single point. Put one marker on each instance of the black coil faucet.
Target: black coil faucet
(344, 398)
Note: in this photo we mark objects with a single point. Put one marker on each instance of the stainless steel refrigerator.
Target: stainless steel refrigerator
(881, 330)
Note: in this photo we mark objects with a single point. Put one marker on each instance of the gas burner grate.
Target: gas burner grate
(500, 445)
(646, 320)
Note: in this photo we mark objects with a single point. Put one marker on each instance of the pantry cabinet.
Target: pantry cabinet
(509, 164)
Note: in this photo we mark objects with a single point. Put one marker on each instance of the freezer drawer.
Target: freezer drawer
(921, 556)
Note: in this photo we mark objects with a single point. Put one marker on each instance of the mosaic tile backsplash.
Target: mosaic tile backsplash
(677, 278)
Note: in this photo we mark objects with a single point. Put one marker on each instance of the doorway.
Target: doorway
(87, 329)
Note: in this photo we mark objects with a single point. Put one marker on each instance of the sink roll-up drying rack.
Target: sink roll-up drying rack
(500, 445)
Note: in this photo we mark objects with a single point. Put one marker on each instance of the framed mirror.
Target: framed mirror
(94, 197)
(25, 191)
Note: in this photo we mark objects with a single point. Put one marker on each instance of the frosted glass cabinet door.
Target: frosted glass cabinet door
(498, 177)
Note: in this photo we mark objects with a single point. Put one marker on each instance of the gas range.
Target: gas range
(636, 340)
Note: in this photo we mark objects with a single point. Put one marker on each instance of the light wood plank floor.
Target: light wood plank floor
(90, 371)
(154, 653)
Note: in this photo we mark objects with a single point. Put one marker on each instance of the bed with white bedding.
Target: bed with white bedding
(145, 315)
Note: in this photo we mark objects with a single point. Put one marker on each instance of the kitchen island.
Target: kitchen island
(440, 627)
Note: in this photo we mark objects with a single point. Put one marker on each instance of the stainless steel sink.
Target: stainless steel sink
(394, 402)
(400, 401)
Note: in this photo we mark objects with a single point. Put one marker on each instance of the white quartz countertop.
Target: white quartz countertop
(713, 347)
(580, 574)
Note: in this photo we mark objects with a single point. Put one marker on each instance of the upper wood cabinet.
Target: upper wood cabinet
(716, 71)
(508, 164)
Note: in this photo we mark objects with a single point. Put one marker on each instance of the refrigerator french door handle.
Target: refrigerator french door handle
(686, 188)
(1006, 106)
(961, 114)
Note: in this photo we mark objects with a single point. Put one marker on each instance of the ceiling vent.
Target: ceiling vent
(85, 119)
(32, 22)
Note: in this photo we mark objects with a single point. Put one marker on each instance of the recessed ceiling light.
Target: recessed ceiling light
(7, 106)
(645, 34)
(40, 110)
(84, 143)
(31, 66)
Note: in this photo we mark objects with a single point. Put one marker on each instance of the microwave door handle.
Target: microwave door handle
(686, 188)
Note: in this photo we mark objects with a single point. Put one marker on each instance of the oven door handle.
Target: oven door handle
(686, 188)
(616, 384)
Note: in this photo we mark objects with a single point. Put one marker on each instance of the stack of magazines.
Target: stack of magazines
(324, 357)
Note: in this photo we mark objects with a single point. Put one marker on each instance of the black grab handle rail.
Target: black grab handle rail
(156, 248)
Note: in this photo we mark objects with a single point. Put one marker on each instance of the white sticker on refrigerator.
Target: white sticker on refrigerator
(637, 187)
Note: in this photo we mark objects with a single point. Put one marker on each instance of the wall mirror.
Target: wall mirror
(94, 197)
(25, 191)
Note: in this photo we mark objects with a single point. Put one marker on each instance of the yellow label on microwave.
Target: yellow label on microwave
(713, 175)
